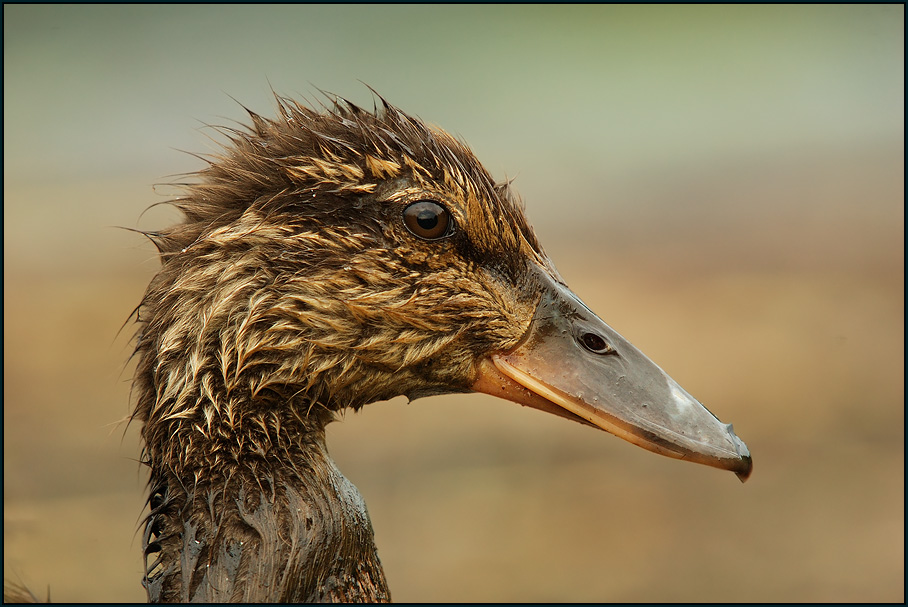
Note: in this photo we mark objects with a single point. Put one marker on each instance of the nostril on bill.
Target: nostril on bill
(595, 343)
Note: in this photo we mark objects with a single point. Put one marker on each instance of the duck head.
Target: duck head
(333, 259)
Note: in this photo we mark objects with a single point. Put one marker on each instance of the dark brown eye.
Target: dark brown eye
(428, 220)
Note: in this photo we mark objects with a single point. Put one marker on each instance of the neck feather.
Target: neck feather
(282, 526)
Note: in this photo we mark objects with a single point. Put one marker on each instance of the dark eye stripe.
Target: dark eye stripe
(428, 220)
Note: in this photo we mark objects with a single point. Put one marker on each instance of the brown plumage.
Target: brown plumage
(304, 281)
(290, 293)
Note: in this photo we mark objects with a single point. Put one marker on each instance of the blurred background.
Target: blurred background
(724, 185)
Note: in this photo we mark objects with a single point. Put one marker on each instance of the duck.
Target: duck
(329, 258)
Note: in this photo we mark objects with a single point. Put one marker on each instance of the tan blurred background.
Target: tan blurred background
(724, 185)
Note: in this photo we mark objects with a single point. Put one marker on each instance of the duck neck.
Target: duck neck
(256, 521)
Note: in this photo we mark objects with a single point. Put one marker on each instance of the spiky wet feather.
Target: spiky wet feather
(292, 290)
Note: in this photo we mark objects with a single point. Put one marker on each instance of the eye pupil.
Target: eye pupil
(428, 220)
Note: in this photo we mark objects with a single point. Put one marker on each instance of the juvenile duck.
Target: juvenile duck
(330, 259)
